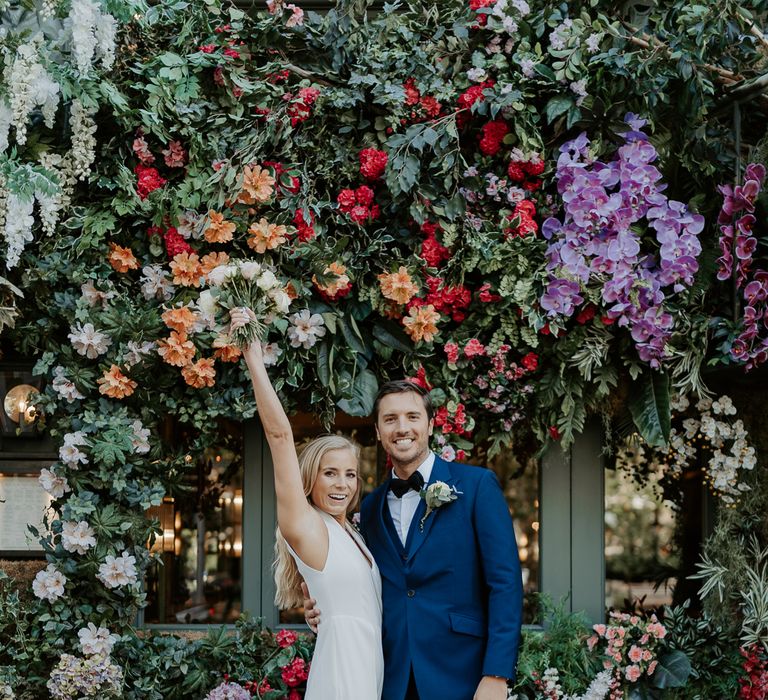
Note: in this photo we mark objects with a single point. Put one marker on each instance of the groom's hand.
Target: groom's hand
(311, 613)
(491, 688)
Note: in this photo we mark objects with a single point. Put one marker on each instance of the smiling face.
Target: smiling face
(337, 483)
(404, 430)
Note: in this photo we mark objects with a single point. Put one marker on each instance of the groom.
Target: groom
(451, 583)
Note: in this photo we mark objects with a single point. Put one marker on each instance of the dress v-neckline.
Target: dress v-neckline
(348, 531)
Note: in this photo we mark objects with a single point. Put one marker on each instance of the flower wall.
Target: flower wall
(516, 205)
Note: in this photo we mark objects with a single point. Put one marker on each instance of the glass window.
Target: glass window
(641, 560)
(198, 576)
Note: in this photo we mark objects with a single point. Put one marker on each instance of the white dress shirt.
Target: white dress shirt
(403, 509)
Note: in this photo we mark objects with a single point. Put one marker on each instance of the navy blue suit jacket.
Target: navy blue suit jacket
(453, 595)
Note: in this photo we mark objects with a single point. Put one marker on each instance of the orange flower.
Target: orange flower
(258, 185)
(186, 269)
(336, 285)
(176, 350)
(219, 230)
(421, 322)
(290, 290)
(199, 374)
(181, 319)
(122, 259)
(225, 351)
(266, 236)
(398, 286)
(212, 260)
(115, 384)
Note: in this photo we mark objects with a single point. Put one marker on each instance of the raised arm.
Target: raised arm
(297, 520)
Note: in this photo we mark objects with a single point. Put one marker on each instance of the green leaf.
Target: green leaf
(364, 392)
(649, 406)
(545, 71)
(393, 338)
(557, 105)
(673, 670)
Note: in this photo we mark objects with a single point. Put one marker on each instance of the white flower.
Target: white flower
(106, 31)
(53, 484)
(140, 441)
(96, 640)
(476, 75)
(305, 329)
(83, 128)
(83, 16)
(271, 352)
(69, 452)
(218, 275)
(77, 537)
(448, 453)
(206, 303)
(6, 119)
(281, 298)
(65, 387)
(521, 6)
(118, 571)
(18, 226)
(527, 66)
(250, 269)
(724, 406)
(267, 281)
(510, 26)
(88, 341)
(94, 296)
(156, 283)
(137, 352)
(49, 584)
(593, 42)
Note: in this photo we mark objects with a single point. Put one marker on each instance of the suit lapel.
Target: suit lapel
(417, 535)
(387, 527)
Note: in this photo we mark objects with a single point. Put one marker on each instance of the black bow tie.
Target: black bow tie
(401, 486)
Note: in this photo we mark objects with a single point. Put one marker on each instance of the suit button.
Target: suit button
(411, 593)
(404, 557)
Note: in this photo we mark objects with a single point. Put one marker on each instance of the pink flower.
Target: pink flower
(285, 638)
(600, 629)
(592, 642)
(451, 352)
(297, 16)
(175, 155)
(652, 667)
(632, 673)
(141, 149)
(647, 655)
(635, 654)
(473, 348)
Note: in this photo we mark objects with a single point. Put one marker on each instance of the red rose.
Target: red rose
(530, 361)
(432, 252)
(531, 185)
(515, 171)
(175, 243)
(412, 93)
(372, 163)
(492, 136)
(586, 314)
(207, 48)
(430, 106)
(346, 199)
(149, 180)
(285, 638)
(304, 229)
(533, 167)
(364, 195)
(359, 214)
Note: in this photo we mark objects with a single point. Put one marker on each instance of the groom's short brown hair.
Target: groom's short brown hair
(400, 386)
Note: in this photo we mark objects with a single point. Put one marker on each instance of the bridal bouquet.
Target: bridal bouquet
(245, 283)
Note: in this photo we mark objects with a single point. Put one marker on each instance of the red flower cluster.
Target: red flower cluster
(526, 173)
(486, 296)
(372, 163)
(421, 379)
(473, 348)
(295, 673)
(286, 638)
(468, 98)
(530, 362)
(278, 77)
(452, 301)
(175, 243)
(207, 48)
(301, 106)
(424, 106)
(451, 423)
(521, 221)
(754, 686)
(358, 204)
(304, 230)
(432, 252)
(492, 136)
(149, 180)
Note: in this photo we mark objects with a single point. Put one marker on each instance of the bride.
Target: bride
(314, 542)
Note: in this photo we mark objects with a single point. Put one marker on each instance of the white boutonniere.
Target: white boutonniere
(435, 496)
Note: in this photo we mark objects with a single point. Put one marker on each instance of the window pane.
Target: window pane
(201, 547)
(520, 482)
(640, 557)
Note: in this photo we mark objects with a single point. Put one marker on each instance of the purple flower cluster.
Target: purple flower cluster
(736, 220)
(622, 239)
(228, 691)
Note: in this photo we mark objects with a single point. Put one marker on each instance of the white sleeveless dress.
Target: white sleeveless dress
(348, 663)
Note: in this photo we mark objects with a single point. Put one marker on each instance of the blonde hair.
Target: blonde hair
(288, 580)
